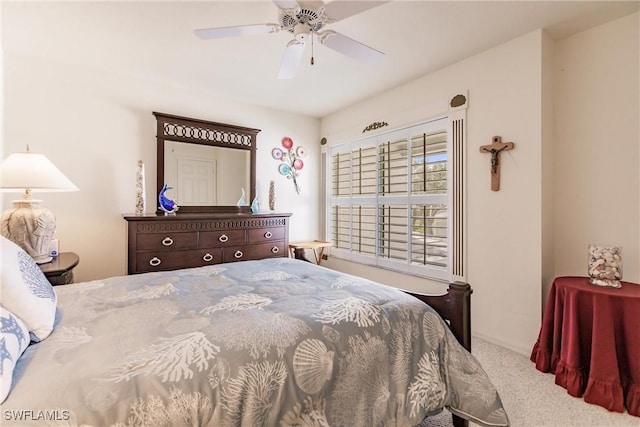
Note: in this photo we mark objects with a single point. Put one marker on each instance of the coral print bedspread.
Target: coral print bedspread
(277, 342)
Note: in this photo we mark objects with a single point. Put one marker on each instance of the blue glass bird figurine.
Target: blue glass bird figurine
(166, 204)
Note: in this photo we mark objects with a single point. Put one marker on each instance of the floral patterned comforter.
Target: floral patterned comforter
(277, 342)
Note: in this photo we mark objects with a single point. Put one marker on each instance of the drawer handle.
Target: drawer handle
(167, 241)
(268, 235)
(223, 238)
(275, 249)
(207, 257)
(238, 254)
(155, 261)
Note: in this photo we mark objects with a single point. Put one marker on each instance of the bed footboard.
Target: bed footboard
(455, 308)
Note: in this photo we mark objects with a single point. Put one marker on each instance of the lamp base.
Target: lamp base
(31, 227)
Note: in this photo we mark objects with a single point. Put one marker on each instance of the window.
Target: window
(389, 200)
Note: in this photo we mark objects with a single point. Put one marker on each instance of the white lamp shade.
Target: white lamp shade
(27, 223)
(32, 171)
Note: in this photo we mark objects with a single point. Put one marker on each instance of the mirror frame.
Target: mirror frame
(203, 132)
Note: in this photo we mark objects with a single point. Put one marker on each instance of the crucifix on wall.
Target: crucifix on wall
(495, 148)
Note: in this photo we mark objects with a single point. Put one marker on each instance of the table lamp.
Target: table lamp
(26, 223)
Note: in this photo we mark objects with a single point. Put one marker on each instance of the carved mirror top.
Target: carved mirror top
(196, 131)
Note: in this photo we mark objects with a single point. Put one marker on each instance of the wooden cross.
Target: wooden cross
(495, 148)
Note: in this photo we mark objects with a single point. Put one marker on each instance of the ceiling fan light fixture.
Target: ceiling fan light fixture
(302, 32)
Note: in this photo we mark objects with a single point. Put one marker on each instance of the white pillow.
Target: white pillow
(14, 339)
(25, 291)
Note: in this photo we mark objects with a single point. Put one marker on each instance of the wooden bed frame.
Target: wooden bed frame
(454, 307)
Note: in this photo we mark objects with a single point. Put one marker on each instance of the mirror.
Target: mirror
(202, 175)
(206, 163)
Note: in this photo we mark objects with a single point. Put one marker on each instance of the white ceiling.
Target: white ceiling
(155, 41)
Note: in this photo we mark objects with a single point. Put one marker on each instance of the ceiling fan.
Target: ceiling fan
(304, 19)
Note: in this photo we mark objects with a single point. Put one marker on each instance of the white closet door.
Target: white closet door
(196, 181)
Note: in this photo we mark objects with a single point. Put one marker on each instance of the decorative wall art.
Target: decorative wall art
(291, 160)
(141, 200)
(169, 206)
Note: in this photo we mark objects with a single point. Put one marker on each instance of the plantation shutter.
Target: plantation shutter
(389, 200)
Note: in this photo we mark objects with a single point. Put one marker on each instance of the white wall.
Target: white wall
(2, 155)
(547, 249)
(597, 139)
(505, 227)
(95, 126)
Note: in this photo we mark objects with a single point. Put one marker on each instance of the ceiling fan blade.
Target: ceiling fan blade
(311, 4)
(291, 59)
(349, 47)
(241, 30)
(337, 10)
(286, 4)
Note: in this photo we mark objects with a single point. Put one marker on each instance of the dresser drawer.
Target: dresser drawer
(265, 234)
(166, 241)
(159, 261)
(209, 239)
(259, 251)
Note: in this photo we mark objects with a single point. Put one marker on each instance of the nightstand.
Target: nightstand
(60, 270)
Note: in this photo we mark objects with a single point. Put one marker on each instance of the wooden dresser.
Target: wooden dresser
(157, 242)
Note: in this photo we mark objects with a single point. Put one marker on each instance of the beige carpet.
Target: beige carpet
(531, 398)
(441, 420)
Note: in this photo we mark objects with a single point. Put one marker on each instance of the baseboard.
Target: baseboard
(517, 347)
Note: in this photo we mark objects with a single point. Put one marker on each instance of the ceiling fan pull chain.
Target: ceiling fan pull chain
(312, 61)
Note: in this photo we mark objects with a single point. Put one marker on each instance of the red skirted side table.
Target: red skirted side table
(590, 340)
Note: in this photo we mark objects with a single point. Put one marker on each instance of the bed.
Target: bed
(276, 342)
